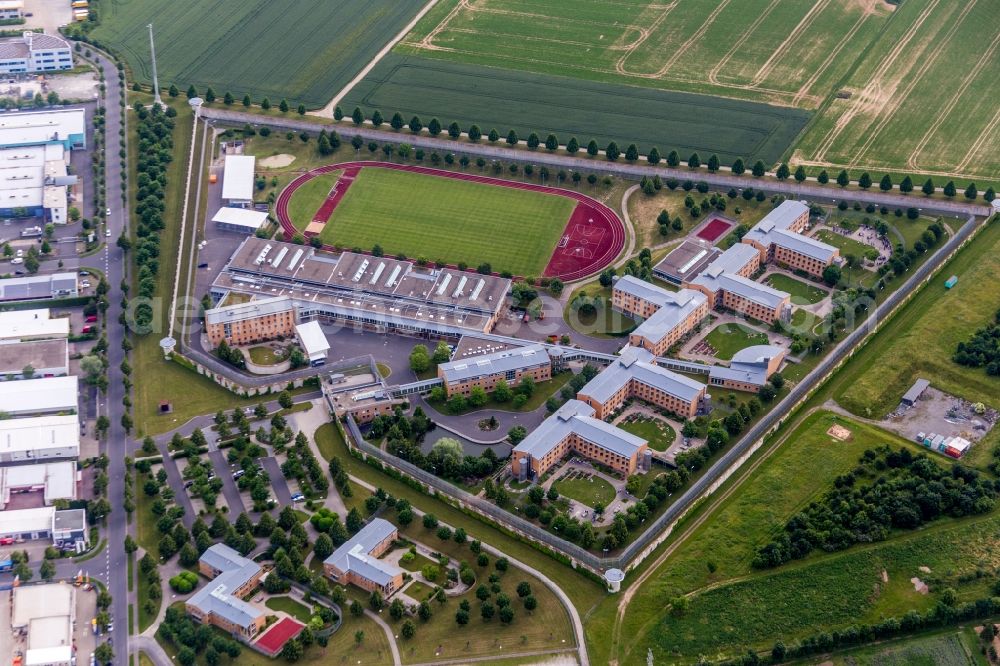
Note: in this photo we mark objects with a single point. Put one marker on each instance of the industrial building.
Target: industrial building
(35, 182)
(24, 325)
(635, 375)
(749, 369)
(220, 602)
(257, 320)
(46, 358)
(913, 394)
(40, 438)
(313, 341)
(779, 239)
(727, 285)
(511, 365)
(11, 9)
(37, 128)
(240, 220)
(375, 293)
(66, 529)
(34, 52)
(669, 316)
(356, 560)
(39, 287)
(36, 397)
(47, 614)
(575, 428)
(237, 181)
(46, 482)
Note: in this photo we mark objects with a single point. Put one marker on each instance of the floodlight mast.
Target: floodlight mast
(152, 53)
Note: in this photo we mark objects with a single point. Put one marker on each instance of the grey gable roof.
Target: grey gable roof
(748, 365)
(217, 596)
(639, 364)
(675, 307)
(354, 554)
(773, 230)
(576, 417)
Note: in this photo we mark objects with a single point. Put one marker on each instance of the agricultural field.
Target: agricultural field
(734, 607)
(930, 50)
(801, 292)
(920, 341)
(727, 339)
(950, 648)
(538, 102)
(443, 219)
(790, 53)
(304, 51)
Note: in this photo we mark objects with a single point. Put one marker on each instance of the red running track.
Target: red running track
(333, 198)
(593, 237)
(714, 229)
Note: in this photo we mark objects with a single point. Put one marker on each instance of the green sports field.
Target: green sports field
(305, 50)
(443, 219)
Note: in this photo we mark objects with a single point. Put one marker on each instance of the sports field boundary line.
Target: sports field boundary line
(599, 209)
(331, 105)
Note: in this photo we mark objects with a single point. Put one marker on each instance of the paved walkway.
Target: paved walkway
(396, 660)
(308, 423)
(467, 425)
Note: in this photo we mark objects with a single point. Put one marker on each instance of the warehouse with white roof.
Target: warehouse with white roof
(313, 341)
(39, 438)
(50, 481)
(240, 220)
(23, 325)
(35, 397)
(237, 180)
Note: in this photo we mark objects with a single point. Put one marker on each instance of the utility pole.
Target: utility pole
(152, 53)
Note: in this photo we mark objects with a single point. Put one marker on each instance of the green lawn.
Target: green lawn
(264, 356)
(307, 199)
(657, 432)
(920, 341)
(444, 219)
(583, 592)
(727, 339)
(383, 370)
(801, 292)
(417, 563)
(292, 56)
(821, 591)
(845, 244)
(419, 591)
(592, 490)
(290, 606)
(604, 321)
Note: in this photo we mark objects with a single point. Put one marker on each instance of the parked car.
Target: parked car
(19, 254)
(239, 473)
(91, 319)
(87, 329)
(85, 284)
(107, 233)
(17, 260)
(298, 497)
(202, 265)
(85, 273)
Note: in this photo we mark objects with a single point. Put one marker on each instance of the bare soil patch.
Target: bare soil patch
(839, 432)
(276, 161)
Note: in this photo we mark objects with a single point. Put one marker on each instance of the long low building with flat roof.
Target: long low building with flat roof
(62, 528)
(575, 428)
(374, 293)
(357, 561)
(23, 325)
(669, 316)
(46, 358)
(237, 180)
(54, 480)
(39, 438)
(485, 371)
(257, 320)
(749, 369)
(35, 397)
(635, 374)
(46, 613)
(779, 238)
(39, 287)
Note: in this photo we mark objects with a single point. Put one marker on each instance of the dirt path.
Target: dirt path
(946, 110)
(870, 91)
(741, 476)
(327, 111)
(803, 90)
(802, 26)
(738, 44)
(886, 112)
